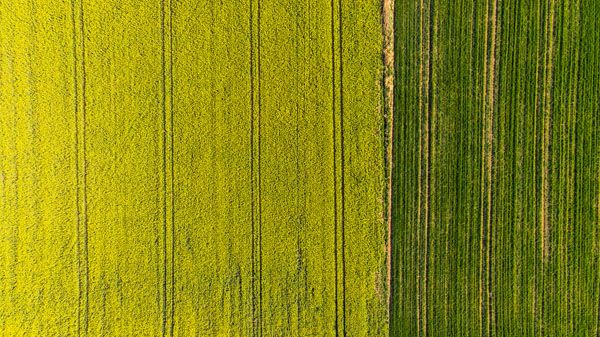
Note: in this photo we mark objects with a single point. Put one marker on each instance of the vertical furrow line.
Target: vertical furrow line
(482, 235)
(429, 136)
(538, 298)
(259, 180)
(252, 178)
(546, 107)
(338, 167)
(80, 165)
(422, 100)
(491, 111)
(474, 75)
(547, 132)
(596, 141)
(168, 290)
(342, 164)
(579, 120)
(489, 97)
(334, 138)
(419, 228)
(425, 107)
(172, 168)
(255, 167)
(258, 186)
(164, 172)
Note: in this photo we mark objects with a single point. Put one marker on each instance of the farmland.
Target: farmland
(497, 168)
(192, 168)
(299, 168)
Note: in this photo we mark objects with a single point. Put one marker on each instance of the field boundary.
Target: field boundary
(388, 23)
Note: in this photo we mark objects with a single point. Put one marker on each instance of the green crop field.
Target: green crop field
(299, 168)
(497, 168)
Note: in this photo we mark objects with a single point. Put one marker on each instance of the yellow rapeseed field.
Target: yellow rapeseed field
(192, 168)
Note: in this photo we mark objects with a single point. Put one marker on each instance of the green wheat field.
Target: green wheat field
(300, 168)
